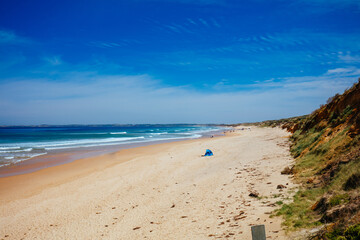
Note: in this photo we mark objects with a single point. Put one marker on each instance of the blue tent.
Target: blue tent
(208, 152)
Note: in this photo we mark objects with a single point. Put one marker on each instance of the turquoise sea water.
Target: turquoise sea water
(21, 143)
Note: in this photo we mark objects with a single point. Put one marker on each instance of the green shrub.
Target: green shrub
(353, 232)
(338, 199)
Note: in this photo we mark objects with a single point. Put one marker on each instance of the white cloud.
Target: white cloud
(348, 58)
(87, 97)
(345, 72)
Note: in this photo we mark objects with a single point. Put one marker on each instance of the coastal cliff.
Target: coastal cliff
(326, 148)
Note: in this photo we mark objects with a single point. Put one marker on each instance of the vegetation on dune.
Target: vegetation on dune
(326, 147)
(349, 233)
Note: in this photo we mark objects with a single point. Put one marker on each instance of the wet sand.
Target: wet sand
(59, 157)
(163, 191)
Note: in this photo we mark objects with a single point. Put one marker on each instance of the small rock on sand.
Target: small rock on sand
(287, 171)
(254, 194)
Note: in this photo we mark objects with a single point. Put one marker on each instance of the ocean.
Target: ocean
(18, 144)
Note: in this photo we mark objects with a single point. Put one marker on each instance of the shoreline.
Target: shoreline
(65, 156)
(159, 192)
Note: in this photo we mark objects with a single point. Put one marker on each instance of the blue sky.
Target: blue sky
(173, 61)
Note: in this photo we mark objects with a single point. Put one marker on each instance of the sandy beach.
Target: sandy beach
(163, 191)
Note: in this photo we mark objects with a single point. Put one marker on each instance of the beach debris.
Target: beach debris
(254, 194)
(280, 186)
(173, 206)
(136, 228)
(183, 216)
(239, 216)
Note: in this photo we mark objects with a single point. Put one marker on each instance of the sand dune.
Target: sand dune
(164, 191)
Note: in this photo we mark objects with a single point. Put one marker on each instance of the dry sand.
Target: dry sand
(164, 191)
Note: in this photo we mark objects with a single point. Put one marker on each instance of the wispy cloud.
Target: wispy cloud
(192, 2)
(203, 22)
(344, 72)
(215, 23)
(349, 57)
(324, 6)
(191, 21)
(90, 97)
(114, 44)
(332, 2)
(191, 26)
(333, 81)
(9, 37)
(294, 51)
(53, 60)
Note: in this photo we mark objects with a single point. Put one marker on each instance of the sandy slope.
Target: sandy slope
(164, 191)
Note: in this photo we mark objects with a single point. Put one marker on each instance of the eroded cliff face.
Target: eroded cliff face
(340, 110)
(326, 147)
